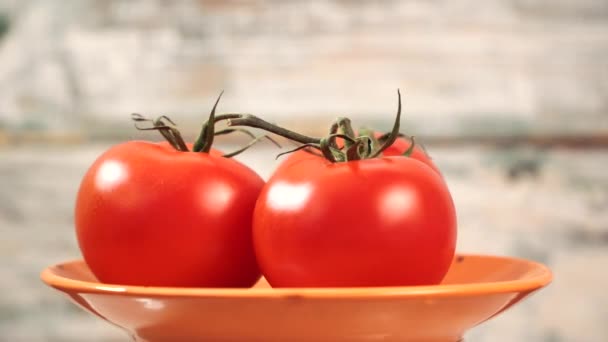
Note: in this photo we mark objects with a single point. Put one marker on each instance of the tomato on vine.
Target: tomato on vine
(168, 214)
(353, 215)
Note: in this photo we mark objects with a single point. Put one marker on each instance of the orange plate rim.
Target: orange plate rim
(542, 277)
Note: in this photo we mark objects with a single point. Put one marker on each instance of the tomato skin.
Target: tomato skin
(387, 221)
(149, 215)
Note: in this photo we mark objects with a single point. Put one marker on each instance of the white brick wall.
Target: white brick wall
(465, 66)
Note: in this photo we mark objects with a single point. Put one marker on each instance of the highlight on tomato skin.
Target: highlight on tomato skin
(149, 215)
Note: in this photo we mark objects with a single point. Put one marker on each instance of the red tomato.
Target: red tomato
(149, 215)
(385, 221)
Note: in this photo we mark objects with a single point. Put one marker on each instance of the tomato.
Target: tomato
(147, 214)
(387, 221)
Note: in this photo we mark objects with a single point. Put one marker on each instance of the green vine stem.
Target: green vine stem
(383, 137)
(305, 147)
(253, 121)
(394, 133)
(355, 147)
(410, 149)
(347, 129)
(251, 143)
(170, 133)
(205, 139)
(332, 153)
(374, 142)
(167, 128)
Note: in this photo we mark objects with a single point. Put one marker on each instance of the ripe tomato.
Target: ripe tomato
(147, 214)
(384, 221)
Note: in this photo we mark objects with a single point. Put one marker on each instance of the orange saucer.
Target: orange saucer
(476, 289)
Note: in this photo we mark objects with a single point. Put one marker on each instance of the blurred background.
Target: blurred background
(510, 98)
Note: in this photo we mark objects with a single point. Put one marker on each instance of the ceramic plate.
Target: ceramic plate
(476, 289)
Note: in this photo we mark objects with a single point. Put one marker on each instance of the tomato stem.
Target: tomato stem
(366, 148)
(301, 147)
(394, 133)
(410, 149)
(251, 143)
(374, 143)
(334, 130)
(233, 130)
(326, 149)
(411, 138)
(347, 129)
(352, 153)
(204, 142)
(170, 133)
(362, 147)
(253, 121)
